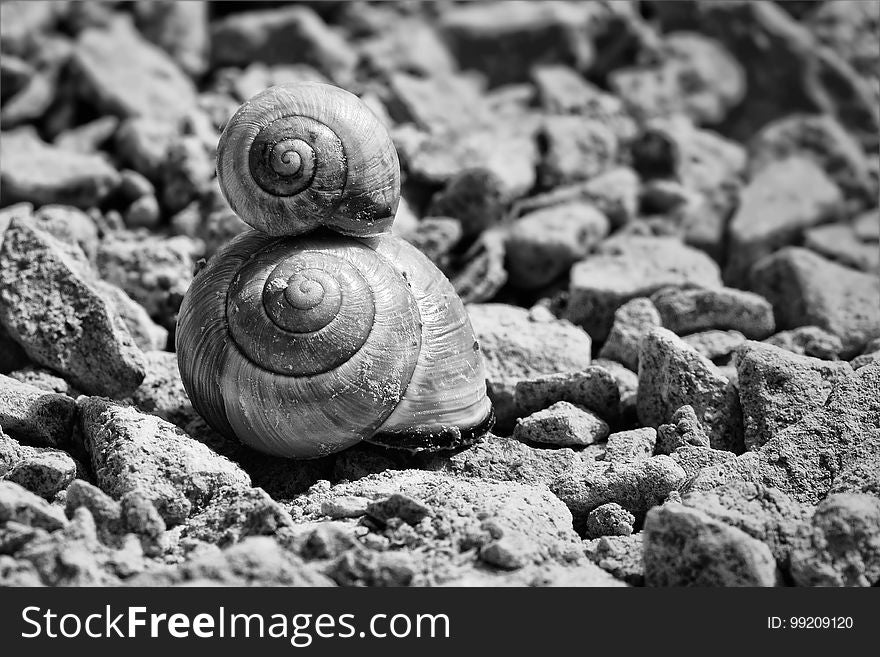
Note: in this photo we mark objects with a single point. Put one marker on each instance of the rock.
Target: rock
(842, 244)
(180, 29)
(44, 380)
(632, 321)
(484, 274)
(627, 385)
(575, 149)
(436, 103)
(476, 197)
(837, 446)
(628, 267)
(436, 237)
(777, 388)
(808, 341)
(255, 561)
(35, 171)
(841, 544)
(285, 35)
(142, 143)
(684, 430)
(507, 150)
(693, 458)
(20, 505)
(515, 346)
(44, 472)
(685, 547)
(672, 374)
(610, 520)
(505, 40)
(24, 23)
(782, 200)
(32, 101)
(631, 446)
(808, 290)
(822, 139)
(34, 416)
(186, 172)
(867, 226)
(147, 335)
(155, 271)
(89, 137)
(695, 76)
(543, 245)
(403, 44)
(685, 311)
(234, 513)
(48, 306)
(765, 514)
(124, 75)
(594, 388)
(397, 505)
(715, 345)
(345, 507)
(619, 555)
(106, 512)
(636, 487)
(131, 451)
(562, 424)
(501, 524)
(786, 70)
(162, 392)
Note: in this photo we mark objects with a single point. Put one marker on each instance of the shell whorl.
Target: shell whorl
(298, 156)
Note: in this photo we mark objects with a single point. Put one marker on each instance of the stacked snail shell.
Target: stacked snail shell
(319, 329)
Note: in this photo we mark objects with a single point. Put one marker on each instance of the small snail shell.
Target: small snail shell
(297, 156)
(303, 345)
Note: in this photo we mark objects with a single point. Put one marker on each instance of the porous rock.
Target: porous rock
(632, 321)
(808, 341)
(777, 388)
(33, 415)
(131, 451)
(17, 504)
(624, 268)
(715, 345)
(685, 311)
(593, 387)
(619, 555)
(610, 520)
(48, 306)
(686, 547)
(683, 430)
(562, 424)
(630, 446)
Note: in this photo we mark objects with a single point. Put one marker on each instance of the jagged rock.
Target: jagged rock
(619, 555)
(18, 504)
(683, 430)
(562, 424)
(49, 307)
(593, 387)
(632, 321)
(630, 446)
(685, 311)
(610, 520)
(34, 416)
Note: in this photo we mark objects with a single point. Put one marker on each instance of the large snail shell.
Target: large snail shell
(301, 347)
(298, 156)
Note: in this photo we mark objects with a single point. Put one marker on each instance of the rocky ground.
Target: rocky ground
(663, 217)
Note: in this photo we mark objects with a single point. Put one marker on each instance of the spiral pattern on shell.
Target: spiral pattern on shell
(298, 156)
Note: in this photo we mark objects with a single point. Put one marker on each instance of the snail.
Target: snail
(319, 329)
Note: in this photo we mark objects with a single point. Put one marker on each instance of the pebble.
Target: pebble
(593, 388)
(18, 504)
(155, 271)
(35, 416)
(45, 472)
(504, 41)
(636, 486)
(715, 345)
(186, 172)
(131, 451)
(124, 75)
(632, 321)
(286, 35)
(476, 197)
(180, 29)
(35, 171)
(841, 243)
(693, 459)
(808, 341)
(685, 311)
(542, 245)
(836, 447)
(574, 149)
(438, 103)
(610, 520)
(407, 45)
(624, 268)
(781, 201)
(686, 547)
(672, 374)
(631, 446)
(562, 424)
(515, 347)
(619, 555)
(820, 138)
(683, 430)
(695, 76)
(777, 388)
(142, 143)
(398, 505)
(48, 306)
(840, 546)
(808, 290)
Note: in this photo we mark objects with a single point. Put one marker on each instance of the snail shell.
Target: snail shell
(304, 344)
(298, 156)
